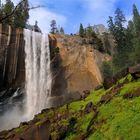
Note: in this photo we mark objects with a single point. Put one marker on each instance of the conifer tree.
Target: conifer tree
(136, 33)
(7, 9)
(81, 31)
(21, 15)
(53, 27)
(118, 31)
(62, 30)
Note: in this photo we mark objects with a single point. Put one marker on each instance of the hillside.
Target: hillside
(102, 115)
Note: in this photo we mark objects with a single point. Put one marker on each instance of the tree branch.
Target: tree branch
(12, 13)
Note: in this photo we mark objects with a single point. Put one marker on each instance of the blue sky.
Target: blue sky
(70, 13)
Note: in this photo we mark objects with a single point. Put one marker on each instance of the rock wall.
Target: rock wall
(12, 67)
(76, 67)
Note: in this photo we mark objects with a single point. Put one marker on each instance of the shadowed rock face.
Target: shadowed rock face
(33, 131)
(12, 67)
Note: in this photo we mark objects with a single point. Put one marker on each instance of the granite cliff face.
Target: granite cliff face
(12, 67)
(75, 65)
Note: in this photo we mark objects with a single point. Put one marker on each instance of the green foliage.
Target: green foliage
(20, 129)
(19, 16)
(127, 88)
(84, 121)
(38, 123)
(79, 105)
(117, 29)
(53, 26)
(81, 31)
(106, 42)
(56, 50)
(106, 69)
(127, 50)
(41, 116)
(128, 77)
(6, 10)
(62, 30)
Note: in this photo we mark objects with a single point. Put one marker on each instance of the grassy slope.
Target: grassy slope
(117, 120)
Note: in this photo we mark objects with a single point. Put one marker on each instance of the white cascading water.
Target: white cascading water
(38, 74)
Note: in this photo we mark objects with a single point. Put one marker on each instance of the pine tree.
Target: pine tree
(107, 46)
(81, 31)
(21, 15)
(136, 20)
(118, 31)
(62, 30)
(111, 25)
(89, 31)
(53, 27)
(136, 33)
(7, 9)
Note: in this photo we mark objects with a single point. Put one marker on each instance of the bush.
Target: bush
(106, 69)
(56, 50)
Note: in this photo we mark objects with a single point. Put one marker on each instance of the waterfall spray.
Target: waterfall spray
(38, 74)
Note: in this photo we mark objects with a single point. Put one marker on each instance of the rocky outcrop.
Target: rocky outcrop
(77, 66)
(135, 71)
(33, 130)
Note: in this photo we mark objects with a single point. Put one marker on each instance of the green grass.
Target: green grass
(130, 87)
(120, 120)
(84, 122)
(20, 129)
(41, 116)
(94, 97)
(117, 120)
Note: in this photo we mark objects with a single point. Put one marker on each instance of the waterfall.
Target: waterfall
(38, 74)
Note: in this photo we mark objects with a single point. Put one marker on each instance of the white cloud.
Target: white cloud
(44, 16)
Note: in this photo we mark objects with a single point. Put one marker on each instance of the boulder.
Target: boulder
(135, 71)
(89, 107)
(110, 81)
(132, 95)
(99, 87)
(106, 98)
(35, 132)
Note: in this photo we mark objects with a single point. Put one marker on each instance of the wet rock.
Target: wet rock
(135, 71)
(99, 87)
(110, 81)
(106, 98)
(6, 94)
(36, 132)
(85, 93)
(132, 95)
(89, 107)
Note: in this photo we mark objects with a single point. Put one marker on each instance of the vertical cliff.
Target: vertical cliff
(12, 67)
(75, 65)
